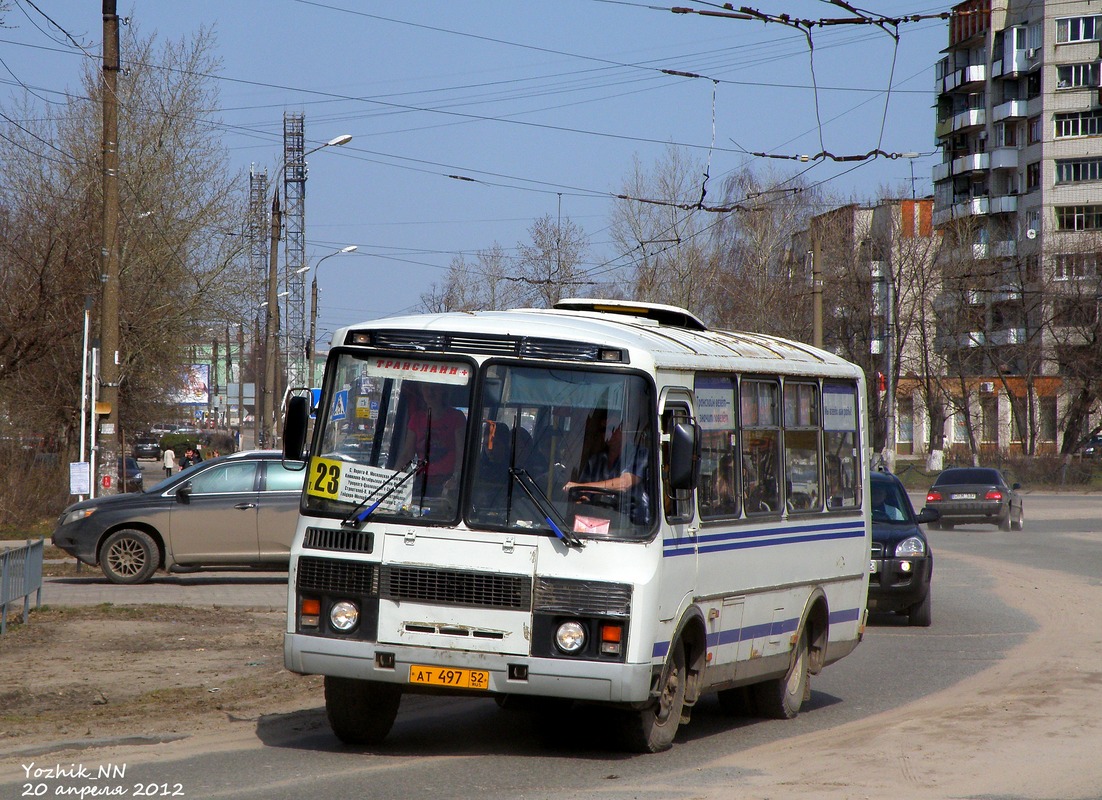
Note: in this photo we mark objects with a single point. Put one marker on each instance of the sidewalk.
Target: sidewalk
(243, 589)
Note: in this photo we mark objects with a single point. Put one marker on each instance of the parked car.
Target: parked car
(902, 564)
(147, 447)
(131, 475)
(238, 510)
(1092, 448)
(976, 494)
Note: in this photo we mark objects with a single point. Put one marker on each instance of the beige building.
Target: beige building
(1018, 199)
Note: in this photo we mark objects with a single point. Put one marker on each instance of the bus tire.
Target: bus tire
(652, 728)
(361, 712)
(129, 556)
(781, 698)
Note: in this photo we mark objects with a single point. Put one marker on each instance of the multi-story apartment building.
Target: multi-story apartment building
(1018, 198)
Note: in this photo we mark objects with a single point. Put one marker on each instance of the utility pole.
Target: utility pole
(271, 332)
(110, 443)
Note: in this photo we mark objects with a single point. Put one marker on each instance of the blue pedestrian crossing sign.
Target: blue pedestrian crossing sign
(340, 405)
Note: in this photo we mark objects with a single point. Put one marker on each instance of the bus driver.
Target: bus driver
(619, 467)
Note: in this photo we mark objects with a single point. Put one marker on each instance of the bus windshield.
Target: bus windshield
(573, 445)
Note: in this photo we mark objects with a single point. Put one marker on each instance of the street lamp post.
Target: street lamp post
(269, 424)
(314, 310)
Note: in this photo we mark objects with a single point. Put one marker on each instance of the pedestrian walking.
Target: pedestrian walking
(169, 461)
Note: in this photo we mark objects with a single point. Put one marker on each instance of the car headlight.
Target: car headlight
(344, 616)
(77, 515)
(570, 637)
(911, 547)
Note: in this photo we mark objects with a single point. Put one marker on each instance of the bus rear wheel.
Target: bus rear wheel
(361, 712)
(781, 698)
(651, 729)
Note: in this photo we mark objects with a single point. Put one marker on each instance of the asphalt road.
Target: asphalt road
(460, 748)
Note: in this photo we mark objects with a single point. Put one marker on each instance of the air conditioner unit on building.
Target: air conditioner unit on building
(987, 387)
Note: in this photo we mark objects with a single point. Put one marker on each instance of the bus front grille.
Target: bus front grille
(330, 576)
(456, 587)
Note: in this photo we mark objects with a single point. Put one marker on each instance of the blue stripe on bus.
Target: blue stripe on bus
(776, 628)
(744, 538)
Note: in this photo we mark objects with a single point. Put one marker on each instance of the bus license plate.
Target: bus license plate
(449, 676)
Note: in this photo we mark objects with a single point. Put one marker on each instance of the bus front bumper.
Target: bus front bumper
(543, 677)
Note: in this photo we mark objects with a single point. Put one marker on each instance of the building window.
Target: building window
(1078, 170)
(1079, 123)
(1078, 29)
(1066, 266)
(1034, 130)
(1072, 76)
(1033, 176)
(905, 421)
(1079, 218)
(1047, 418)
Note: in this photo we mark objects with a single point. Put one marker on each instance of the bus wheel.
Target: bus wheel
(361, 712)
(781, 698)
(651, 729)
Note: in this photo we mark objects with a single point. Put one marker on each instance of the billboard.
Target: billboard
(195, 386)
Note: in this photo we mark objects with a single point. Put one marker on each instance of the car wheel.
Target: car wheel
(1004, 521)
(129, 556)
(781, 698)
(361, 712)
(651, 729)
(921, 614)
(1018, 522)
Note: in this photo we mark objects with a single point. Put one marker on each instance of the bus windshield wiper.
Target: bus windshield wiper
(550, 514)
(392, 484)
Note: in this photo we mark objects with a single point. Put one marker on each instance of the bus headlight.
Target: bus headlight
(570, 637)
(343, 616)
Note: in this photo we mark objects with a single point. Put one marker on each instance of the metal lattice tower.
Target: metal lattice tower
(294, 339)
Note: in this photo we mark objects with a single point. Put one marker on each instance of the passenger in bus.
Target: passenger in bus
(620, 466)
(434, 432)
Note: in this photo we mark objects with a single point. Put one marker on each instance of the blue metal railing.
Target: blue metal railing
(20, 575)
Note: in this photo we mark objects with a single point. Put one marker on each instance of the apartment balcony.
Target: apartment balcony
(942, 172)
(972, 162)
(963, 78)
(969, 118)
(1011, 109)
(1008, 248)
(970, 207)
(1004, 158)
(1003, 204)
(1007, 336)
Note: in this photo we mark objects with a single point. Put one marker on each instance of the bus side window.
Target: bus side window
(676, 503)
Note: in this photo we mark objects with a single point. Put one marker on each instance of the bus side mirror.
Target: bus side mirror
(294, 427)
(684, 456)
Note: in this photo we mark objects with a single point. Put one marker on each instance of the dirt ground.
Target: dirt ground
(81, 673)
(1028, 727)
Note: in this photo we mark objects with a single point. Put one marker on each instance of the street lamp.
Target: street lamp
(271, 331)
(314, 309)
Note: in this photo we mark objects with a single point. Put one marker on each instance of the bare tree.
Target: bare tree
(761, 284)
(668, 242)
(549, 267)
(479, 286)
(179, 208)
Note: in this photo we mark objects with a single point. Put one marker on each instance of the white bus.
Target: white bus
(603, 502)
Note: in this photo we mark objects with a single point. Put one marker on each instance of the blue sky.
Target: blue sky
(543, 105)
